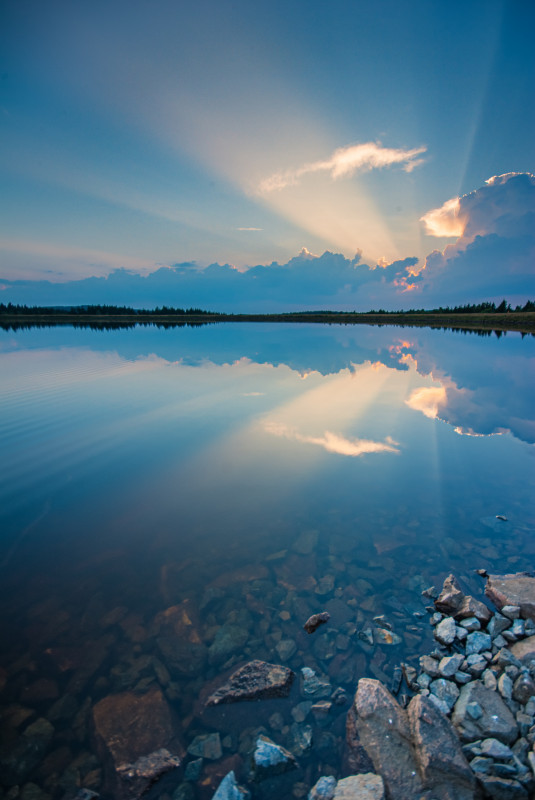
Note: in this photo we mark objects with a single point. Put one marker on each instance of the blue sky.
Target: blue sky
(141, 135)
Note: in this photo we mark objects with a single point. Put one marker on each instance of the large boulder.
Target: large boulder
(384, 732)
(257, 680)
(524, 650)
(136, 741)
(513, 590)
(441, 761)
(416, 751)
(451, 596)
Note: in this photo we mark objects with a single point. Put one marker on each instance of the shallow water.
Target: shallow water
(250, 475)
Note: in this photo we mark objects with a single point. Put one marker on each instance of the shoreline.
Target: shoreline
(521, 322)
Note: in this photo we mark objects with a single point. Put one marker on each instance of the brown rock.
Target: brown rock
(356, 759)
(135, 738)
(441, 761)
(39, 691)
(524, 650)
(256, 680)
(315, 621)
(470, 607)
(513, 590)
(384, 732)
(451, 596)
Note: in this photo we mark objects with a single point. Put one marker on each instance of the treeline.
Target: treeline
(101, 311)
(168, 311)
(475, 308)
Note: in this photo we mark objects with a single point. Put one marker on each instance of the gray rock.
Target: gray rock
(430, 666)
(461, 677)
(449, 665)
(481, 765)
(206, 746)
(489, 679)
(286, 648)
(498, 624)
(476, 664)
(518, 627)
(313, 686)
(182, 657)
(513, 590)
(497, 721)
(193, 770)
(306, 542)
(492, 748)
(228, 789)
(271, 759)
(474, 710)
(323, 789)
(505, 686)
(439, 704)
(445, 690)
(503, 788)
(471, 624)
(18, 760)
(476, 642)
(505, 657)
(511, 612)
(229, 639)
(360, 787)
(300, 738)
(445, 631)
(257, 680)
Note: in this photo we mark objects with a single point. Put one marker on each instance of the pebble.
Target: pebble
(445, 631)
(476, 642)
(492, 748)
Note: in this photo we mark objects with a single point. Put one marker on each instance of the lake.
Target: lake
(177, 502)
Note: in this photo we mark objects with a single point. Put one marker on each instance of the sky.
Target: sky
(267, 156)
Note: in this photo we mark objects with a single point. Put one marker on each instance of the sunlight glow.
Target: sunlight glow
(445, 221)
(334, 443)
(428, 400)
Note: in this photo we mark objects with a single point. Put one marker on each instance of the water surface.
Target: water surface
(251, 474)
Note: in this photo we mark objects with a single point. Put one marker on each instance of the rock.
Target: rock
(228, 640)
(136, 741)
(182, 657)
(312, 686)
(286, 648)
(257, 680)
(18, 760)
(143, 772)
(300, 738)
(383, 636)
(360, 787)
(316, 620)
(449, 665)
(498, 624)
(429, 666)
(470, 607)
(492, 748)
(323, 789)
(513, 590)
(524, 651)
(40, 691)
(193, 770)
(356, 759)
(511, 612)
(206, 746)
(471, 624)
(229, 790)
(271, 759)
(523, 688)
(496, 722)
(445, 631)
(445, 690)
(505, 686)
(441, 761)
(384, 732)
(477, 642)
(502, 788)
(451, 596)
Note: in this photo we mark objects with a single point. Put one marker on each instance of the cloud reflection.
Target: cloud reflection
(333, 442)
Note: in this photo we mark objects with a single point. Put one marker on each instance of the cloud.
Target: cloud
(494, 254)
(345, 162)
(333, 442)
(249, 229)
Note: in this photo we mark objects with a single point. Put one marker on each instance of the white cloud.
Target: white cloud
(445, 221)
(249, 229)
(333, 442)
(346, 161)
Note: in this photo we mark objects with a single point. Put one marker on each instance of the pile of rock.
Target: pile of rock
(482, 676)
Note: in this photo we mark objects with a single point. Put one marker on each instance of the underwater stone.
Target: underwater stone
(271, 759)
(257, 680)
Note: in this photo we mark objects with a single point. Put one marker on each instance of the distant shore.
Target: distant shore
(520, 321)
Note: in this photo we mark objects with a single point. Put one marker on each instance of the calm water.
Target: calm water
(250, 475)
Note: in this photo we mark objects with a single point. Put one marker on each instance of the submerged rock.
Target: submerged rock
(257, 680)
(229, 790)
(136, 741)
(496, 721)
(271, 759)
(360, 787)
(316, 620)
